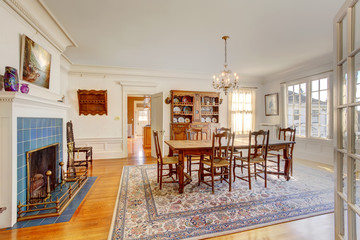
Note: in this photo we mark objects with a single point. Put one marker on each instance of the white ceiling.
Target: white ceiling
(266, 36)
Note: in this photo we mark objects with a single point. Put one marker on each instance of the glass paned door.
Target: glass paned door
(347, 114)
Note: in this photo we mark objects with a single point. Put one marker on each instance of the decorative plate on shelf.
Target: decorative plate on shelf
(177, 109)
(187, 120)
(176, 100)
(174, 120)
(208, 120)
(187, 109)
(186, 99)
(214, 120)
(202, 119)
(181, 120)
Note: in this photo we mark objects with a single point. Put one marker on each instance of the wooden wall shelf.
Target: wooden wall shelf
(92, 102)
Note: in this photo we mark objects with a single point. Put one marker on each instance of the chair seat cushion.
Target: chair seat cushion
(170, 160)
(217, 162)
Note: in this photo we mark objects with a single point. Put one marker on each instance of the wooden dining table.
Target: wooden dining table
(204, 147)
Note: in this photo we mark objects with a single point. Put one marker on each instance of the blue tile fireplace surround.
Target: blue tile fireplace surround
(34, 133)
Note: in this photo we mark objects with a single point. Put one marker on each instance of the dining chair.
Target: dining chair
(222, 129)
(257, 153)
(286, 134)
(163, 161)
(194, 134)
(86, 150)
(220, 161)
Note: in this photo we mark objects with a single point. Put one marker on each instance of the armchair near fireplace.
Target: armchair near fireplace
(77, 150)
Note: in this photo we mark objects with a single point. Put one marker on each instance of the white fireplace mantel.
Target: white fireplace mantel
(12, 106)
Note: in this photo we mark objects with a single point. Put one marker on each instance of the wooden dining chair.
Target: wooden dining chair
(222, 129)
(286, 134)
(194, 134)
(163, 161)
(78, 162)
(220, 161)
(257, 153)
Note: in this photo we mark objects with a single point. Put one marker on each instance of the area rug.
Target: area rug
(146, 212)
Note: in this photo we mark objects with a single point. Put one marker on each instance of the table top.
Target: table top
(239, 143)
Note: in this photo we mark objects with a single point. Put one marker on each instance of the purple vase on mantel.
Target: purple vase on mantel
(24, 88)
(11, 80)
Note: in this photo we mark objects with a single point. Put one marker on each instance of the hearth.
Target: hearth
(41, 166)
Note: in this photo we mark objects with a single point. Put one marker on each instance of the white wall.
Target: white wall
(12, 27)
(104, 131)
(312, 149)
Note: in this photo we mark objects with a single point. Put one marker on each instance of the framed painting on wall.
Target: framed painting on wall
(272, 104)
(35, 63)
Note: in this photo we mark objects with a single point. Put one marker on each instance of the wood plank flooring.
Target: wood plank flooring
(93, 218)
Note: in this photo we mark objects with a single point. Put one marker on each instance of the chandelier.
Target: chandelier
(226, 81)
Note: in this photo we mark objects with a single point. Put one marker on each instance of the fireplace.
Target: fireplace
(39, 162)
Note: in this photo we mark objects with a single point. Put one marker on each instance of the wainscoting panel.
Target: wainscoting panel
(103, 148)
(316, 150)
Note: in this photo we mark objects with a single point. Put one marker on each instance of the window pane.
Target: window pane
(357, 184)
(323, 132)
(315, 97)
(303, 88)
(344, 128)
(344, 83)
(357, 76)
(344, 37)
(315, 85)
(296, 89)
(357, 129)
(357, 25)
(323, 84)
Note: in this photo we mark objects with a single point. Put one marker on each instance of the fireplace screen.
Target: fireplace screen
(39, 161)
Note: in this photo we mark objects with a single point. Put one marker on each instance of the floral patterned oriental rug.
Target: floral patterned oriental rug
(145, 212)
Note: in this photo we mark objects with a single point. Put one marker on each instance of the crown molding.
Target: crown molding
(314, 66)
(35, 13)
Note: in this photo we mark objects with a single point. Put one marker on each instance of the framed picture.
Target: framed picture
(272, 104)
(35, 63)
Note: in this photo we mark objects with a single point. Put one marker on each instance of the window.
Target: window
(319, 108)
(309, 113)
(241, 111)
(296, 115)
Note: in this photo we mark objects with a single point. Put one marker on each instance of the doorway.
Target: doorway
(138, 116)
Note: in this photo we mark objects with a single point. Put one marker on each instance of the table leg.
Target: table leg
(181, 171)
(287, 164)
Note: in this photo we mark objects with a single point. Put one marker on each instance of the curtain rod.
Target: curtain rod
(307, 76)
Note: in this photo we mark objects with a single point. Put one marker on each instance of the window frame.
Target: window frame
(308, 82)
(253, 111)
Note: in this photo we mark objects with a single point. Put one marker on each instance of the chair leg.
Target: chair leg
(234, 170)
(265, 174)
(229, 179)
(249, 176)
(212, 180)
(255, 170)
(158, 170)
(189, 165)
(291, 165)
(161, 175)
(278, 165)
(200, 173)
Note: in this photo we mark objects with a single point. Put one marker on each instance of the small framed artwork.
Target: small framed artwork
(35, 63)
(272, 104)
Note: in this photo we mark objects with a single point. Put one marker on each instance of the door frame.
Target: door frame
(135, 108)
(131, 88)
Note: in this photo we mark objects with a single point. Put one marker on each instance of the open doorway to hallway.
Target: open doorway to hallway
(139, 130)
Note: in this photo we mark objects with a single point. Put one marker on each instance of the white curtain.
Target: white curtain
(241, 110)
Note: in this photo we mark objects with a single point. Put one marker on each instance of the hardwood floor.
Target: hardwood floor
(93, 218)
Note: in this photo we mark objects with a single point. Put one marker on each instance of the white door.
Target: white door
(157, 122)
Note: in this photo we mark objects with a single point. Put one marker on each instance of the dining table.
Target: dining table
(204, 147)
